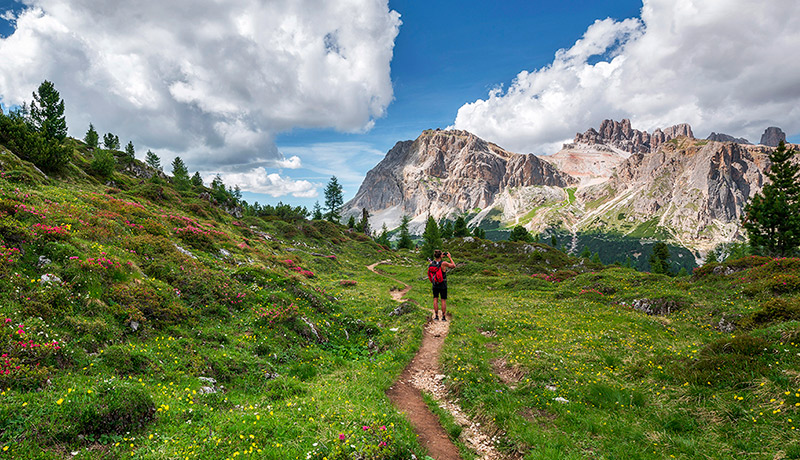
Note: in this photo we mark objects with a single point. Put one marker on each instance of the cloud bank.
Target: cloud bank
(213, 82)
(723, 65)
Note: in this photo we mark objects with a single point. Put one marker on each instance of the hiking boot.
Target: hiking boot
(444, 318)
(436, 318)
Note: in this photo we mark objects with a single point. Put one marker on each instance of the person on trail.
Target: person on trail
(437, 274)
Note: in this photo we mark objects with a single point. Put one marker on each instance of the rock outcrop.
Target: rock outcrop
(772, 136)
(722, 137)
(694, 191)
(620, 135)
(442, 173)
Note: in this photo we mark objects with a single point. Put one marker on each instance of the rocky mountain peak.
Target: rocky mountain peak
(620, 135)
(444, 172)
(772, 136)
(722, 137)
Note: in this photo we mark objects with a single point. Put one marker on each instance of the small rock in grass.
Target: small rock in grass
(49, 278)
(561, 400)
(44, 261)
(207, 390)
(134, 325)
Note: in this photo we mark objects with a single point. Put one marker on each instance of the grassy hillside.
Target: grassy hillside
(620, 364)
(139, 321)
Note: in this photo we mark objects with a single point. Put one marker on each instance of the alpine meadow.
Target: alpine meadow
(226, 230)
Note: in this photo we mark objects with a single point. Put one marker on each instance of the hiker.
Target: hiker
(437, 274)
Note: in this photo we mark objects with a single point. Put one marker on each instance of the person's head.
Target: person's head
(437, 254)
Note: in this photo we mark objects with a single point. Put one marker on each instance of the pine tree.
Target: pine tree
(333, 200)
(180, 174)
(460, 229)
(432, 238)
(383, 238)
(130, 154)
(92, 138)
(351, 223)
(152, 160)
(586, 253)
(197, 180)
(519, 233)
(363, 224)
(47, 112)
(772, 218)
(405, 241)
(478, 232)
(317, 214)
(553, 241)
(659, 260)
(110, 141)
(447, 230)
(596, 258)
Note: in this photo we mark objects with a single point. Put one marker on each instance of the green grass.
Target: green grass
(129, 299)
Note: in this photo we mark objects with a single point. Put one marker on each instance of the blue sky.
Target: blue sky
(279, 96)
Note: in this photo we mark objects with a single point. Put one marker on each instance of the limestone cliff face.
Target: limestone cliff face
(620, 135)
(696, 190)
(773, 136)
(446, 172)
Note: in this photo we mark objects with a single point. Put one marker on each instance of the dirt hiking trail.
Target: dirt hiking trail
(422, 374)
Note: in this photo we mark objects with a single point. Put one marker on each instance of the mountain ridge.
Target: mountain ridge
(689, 191)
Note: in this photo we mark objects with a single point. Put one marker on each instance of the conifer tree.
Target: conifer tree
(91, 138)
(197, 180)
(772, 218)
(317, 213)
(47, 112)
(405, 241)
(553, 241)
(351, 223)
(431, 237)
(460, 229)
(333, 200)
(383, 238)
(447, 230)
(130, 154)
(659, 260)
(520, 233)
(180, 174)
(363, 224)
(478, 232)
(152, 160)
(110, 141)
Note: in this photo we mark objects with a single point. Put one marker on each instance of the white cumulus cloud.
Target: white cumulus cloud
(720, 65)
(258, 180)
(213, 82)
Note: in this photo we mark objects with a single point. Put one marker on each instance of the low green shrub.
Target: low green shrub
(727, 362)
(114, 407)
(124, 360)
(772, 311)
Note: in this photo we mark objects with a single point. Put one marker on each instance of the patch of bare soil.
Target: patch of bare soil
(510, 375)
(539, 416)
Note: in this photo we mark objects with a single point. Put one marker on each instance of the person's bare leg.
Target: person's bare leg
(444, 308)
(436, 306)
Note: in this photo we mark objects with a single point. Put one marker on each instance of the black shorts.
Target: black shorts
(440, 290)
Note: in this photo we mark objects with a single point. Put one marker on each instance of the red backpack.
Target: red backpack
(435, 273)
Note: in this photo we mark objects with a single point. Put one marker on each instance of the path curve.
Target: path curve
(397, 296)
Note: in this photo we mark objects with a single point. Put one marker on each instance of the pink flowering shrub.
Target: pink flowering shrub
(25, 357)
(275, 314)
